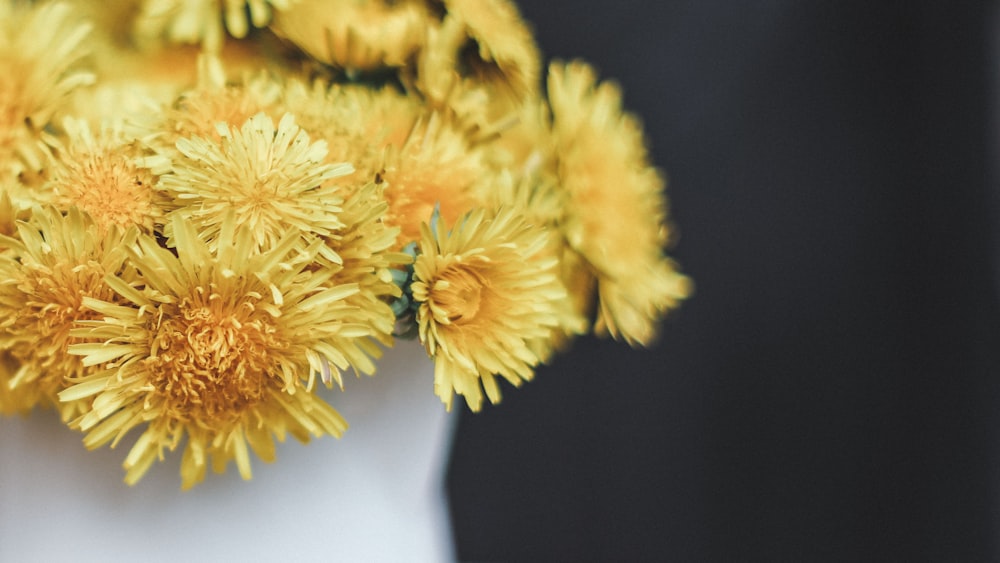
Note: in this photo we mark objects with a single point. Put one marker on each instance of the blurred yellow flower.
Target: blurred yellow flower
(436, 168)
(356, 121)
(615, 210)
(486, 292)
(356, 35)
(214, 98)
(202, 21)
(485, 41)
(40, 54)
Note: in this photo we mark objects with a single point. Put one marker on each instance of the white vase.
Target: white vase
(377, 494)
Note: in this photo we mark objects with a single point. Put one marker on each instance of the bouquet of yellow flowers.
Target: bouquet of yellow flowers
(208, 208)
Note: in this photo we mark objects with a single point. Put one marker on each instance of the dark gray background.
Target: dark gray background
(829, 394)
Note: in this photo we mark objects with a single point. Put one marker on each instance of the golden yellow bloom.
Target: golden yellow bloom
(357, 122)
(220, 347)
(526, 147)
(40, 48)
(103, 175)
(214, 99)
(538, 201)
(486, 41)
(177, 91)
(615, 214)
(56, 263)
(203, 21)
(273, 178)
(487, 296)
(356, 35)
(436, 168)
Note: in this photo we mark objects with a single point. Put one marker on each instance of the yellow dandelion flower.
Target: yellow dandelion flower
(272, 178)
(203, 21)
(214, 99)
(436, 168)
(57, 262)
(615, 207)
(356, 35)
(538, 201)
(526, 147)
(527, 151)
(103, 175)
(357, 122)
(487, 294)
(485, 41)
(219, 348)
(40, 48)
(129, 77)
(177, 91)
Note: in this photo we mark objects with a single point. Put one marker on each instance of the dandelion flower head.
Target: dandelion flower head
(615, 208)
(217, 348)
(41, 49)
(485, 292)
(56, 263)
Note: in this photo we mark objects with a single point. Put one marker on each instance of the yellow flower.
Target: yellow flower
(219, 347)
(356, 35)
(615, 211)
(214, 99)
(57, 262)
(436, 168)
(487, 296)
(485, 41)
(103, 175)
(272, 178)
(40, 48)
(202, 21)
(357, 122)
(539, 203)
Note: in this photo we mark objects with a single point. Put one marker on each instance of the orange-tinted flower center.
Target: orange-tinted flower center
(110, 188)
(458, 294)
(212, 362)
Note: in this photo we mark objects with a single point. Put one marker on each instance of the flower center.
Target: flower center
(458, 295)
(212, 363)
(110, 188)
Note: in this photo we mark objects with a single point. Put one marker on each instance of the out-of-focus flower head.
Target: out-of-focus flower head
(41, 50)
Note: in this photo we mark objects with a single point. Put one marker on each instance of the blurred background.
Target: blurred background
(829, 394)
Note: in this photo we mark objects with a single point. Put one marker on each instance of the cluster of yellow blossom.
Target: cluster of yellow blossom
(208, 207)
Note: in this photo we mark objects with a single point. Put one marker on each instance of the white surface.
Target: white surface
(374, 495)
